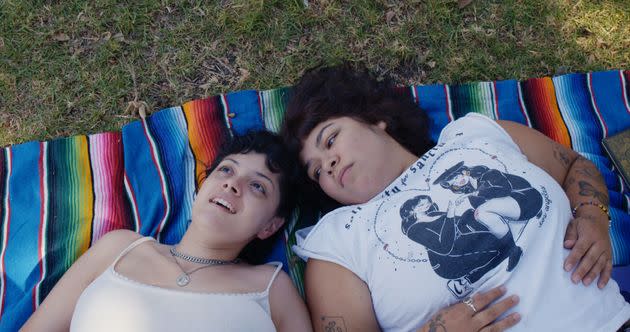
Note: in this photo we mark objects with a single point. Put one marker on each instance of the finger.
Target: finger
(586, 264)
(481, 300)
(578, 251)
(596, 270)
(489, 314)
(503, 324)
(604, 277)
(571, 235)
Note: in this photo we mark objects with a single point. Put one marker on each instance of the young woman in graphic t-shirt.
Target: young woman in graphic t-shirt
(371, 267)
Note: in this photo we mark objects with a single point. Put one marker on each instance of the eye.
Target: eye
(316, 173)
(331, 140)
(225, 169)
(258, 187)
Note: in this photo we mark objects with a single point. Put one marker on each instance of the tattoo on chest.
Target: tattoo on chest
(333, 324)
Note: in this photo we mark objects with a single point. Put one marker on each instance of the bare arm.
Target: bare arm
(288, 311)
(55, 313)
(338, 299)
(489, 306)
(587, 234)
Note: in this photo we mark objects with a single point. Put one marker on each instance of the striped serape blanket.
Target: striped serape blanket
(59, 197)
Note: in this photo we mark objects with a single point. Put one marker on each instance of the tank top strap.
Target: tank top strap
(131, 246)
(275, 274)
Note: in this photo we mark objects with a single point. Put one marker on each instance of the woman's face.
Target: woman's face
(422, 207)
(239, 199)
(353, 161)
(460, 180)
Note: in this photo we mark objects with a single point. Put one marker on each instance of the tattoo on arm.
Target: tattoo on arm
(587, 189)
(333, 324)
(561, 156)
(436, 324)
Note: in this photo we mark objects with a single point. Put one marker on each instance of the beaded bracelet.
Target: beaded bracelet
(599, 205)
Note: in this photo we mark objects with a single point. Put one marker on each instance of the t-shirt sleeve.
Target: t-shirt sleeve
(329, 241)
(473, 126)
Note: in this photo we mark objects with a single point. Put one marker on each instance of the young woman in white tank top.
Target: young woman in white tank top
(127, 282)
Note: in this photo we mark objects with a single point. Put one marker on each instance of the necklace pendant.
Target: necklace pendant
(183, 280)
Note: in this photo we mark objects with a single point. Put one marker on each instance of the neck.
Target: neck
(406, 160)
(193, 245)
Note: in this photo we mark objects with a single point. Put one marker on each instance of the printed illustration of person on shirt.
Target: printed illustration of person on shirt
(497, 197)
(460, 248)
(463, 248)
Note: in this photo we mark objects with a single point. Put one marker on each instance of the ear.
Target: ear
(382, 125)
(272, 226)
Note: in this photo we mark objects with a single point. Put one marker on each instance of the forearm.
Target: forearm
(585, 188)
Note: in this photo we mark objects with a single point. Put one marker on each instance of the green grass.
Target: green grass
(71, 67)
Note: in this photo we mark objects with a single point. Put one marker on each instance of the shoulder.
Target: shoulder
(472, 125)
(120, 238)
(288, 310)
(282, 290)
(329, 226)
(110, 245)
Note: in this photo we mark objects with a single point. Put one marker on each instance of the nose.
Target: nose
(330, 164)
(232, 185)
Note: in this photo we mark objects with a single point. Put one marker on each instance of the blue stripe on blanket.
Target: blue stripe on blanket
(21, 258)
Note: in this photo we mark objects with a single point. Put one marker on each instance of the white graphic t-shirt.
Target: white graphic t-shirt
(469, 215)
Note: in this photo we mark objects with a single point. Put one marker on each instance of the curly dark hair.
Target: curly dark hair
(346, 90)
(278, 160)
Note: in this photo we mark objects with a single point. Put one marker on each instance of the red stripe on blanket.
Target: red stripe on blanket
(206, 131)
(495, 100)
(540, 97)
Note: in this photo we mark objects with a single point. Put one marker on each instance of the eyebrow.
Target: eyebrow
(257, 173)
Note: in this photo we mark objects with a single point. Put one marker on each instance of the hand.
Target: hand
(450, 211)
(588, 238)
(461, 317)
(460, 200)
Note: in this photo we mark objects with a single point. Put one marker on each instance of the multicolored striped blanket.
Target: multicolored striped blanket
(59, 197)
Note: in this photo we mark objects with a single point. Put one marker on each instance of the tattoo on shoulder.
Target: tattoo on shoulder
(333, 324)
(436, 324)
(561, 156)
(587, 189)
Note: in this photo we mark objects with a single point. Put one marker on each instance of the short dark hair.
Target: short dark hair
(352, 91)
(279, 160)
(345, 90)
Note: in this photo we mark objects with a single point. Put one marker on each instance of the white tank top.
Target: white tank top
(113, 302)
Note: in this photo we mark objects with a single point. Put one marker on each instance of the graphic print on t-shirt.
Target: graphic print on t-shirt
(468, 218)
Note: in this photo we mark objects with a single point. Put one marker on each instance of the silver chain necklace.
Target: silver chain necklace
(184, 278)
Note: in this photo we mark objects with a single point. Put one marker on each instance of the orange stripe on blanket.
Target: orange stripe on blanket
(540, 95)
(206, 131)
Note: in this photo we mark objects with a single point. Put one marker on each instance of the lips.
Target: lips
(224, 204)
(343, 173)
